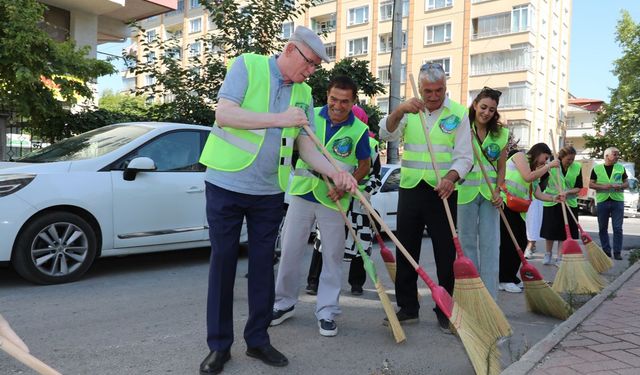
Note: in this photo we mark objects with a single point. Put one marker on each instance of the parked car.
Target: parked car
(385, 202)
(120, 189)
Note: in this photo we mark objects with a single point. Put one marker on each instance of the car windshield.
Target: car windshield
(87, 145)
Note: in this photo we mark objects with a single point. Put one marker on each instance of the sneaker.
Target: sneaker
(608, 253)
(617, 256)
(403, 318)
(280, 316)
(520, 285)
(509, 287)
(547, 259)
(328, 328)
(312, 289)
(558, 261)
(528, 253)
(356, 290)
(444, 325)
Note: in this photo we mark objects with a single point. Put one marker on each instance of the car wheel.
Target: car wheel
(57, 247)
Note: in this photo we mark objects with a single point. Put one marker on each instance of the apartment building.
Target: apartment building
(581, 116)
(518, 47)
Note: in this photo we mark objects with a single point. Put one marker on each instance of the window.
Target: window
(393, 181)
(358, 16)
(497, 24)
(383, 104)
(194, 49)
(151, 56)
(173, 152)
(151, 36)
(331, 50)
(437, 34)
(517, 95)
(287, 30)
(179, 9)
(385, 42)
(446, 64)
(386, 10)
(195, 25)
(321, 25)
(194, 4)
(520, 130)
(437, 4)
(516, 59)
(174, 53)
(358, 46)
(150, 80)
(521, 18)
(175, 34)
(405, 8)
(384, 74)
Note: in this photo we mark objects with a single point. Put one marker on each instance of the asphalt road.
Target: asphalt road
(145, 314)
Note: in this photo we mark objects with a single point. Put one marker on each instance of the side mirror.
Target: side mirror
(633, 185)
(136, 165)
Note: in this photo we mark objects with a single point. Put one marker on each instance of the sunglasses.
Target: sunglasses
(492, 93)
(431, 65)
(306, 59)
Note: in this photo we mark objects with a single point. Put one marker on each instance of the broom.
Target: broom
(576, 275)
(540, 298)
(387, 255)
(479, 345)
(598, 259)
(469, 290)
(26, 358)
(396, 328)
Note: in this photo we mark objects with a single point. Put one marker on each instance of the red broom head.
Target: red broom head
(387, 255)
(457, 246)
(570, 246)
(529, 273)
(586, 238)
(440, 296)
(463, 268)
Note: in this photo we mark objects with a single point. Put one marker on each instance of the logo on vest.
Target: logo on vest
(343, 147)
(449, 124)
(617, 177)
(304, 107)
(493, 151)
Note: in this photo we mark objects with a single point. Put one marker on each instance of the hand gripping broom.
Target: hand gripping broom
(469, 290)
(598, 259)
(540, 298)
(396, 328)
(576, 275)
(479, 345)
(25, 357)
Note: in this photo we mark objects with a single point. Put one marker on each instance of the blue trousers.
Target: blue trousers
(615, 210)
(226, 211)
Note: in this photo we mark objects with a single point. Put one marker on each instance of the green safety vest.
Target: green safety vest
(568, 182)
(230, 149)
(342, 147)
(516, 184)
(373, 144)
(416, 160)
(474, 181)
(616, 178)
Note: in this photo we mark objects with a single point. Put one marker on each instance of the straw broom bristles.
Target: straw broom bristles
(483, 354)
(387, 255)
(598, 259)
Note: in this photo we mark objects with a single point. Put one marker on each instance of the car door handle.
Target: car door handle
(195, 189)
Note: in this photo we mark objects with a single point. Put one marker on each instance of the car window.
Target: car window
(393, 182)
(173, 152)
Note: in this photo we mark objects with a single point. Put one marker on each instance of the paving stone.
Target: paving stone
(630, 337)
(599, 337)
(589, 367)
(625, 357)
(587, 354)
(620, 345)
(574, 343)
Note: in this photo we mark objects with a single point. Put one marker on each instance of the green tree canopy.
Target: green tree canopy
(123, 103)
(618, 124)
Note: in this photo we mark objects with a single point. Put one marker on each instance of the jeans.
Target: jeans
(479, 232)
(615, 210)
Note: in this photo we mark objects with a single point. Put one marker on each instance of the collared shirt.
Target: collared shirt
(462, 158)
(261, 177)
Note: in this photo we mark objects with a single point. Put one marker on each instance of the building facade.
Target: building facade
(518, 47)
(581, 116)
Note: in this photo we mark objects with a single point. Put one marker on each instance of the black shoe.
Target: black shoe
(269, 355)
(617, 256)
(356, 290)
(280, 316)
(214, 363)
(328, 328)
(444, 324)
(403, 318)
(312, 289)
(608, 253)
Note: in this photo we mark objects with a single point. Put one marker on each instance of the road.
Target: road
(145, 314)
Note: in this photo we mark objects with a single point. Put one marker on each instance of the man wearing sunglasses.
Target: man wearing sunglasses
(420, 195)
(262, 103)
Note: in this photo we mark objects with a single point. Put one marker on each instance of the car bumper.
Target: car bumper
(10, 225)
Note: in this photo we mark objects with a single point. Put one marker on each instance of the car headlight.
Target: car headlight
(10, 183)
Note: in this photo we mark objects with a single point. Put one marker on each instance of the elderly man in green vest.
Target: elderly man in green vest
(347, 140)
(420, 196)
(609, 181)
(261, 106)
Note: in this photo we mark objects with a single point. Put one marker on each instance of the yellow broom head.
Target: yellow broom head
(576, 275)
(480, 346)
(396, 328)
(541, 299)
(474, 298)
(598, 259)
(391, 269)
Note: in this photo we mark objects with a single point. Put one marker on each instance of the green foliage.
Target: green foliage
(123, 103)
(618, 124)
(634, 256)
(27, 54)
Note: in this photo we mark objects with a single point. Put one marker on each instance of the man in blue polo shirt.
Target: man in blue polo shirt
(346, 138)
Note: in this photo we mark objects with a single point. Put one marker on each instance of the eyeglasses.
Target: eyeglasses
(492, 93)
(431, 65)
(311, 63)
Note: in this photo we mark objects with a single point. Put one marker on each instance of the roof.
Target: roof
(591, 105)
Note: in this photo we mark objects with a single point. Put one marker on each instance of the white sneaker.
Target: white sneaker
(558, 261)
(527, 253)
(547, 259)
(520, 285)
(509, 287)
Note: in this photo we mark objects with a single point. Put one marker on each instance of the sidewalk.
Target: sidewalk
(601, 338)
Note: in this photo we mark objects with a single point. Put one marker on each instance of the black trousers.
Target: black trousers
(357, 275)
(417, 207)
(509, 259)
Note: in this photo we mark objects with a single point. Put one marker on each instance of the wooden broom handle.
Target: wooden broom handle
(342, 212)
(362, 199)
(559, 185)
(26, 358)
(433, 158)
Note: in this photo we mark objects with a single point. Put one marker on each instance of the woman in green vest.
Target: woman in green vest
(478, 219)
(552, 223)
(521, 181)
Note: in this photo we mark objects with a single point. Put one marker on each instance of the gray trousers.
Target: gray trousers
(301, 216)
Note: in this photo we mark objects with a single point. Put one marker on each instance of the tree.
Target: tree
(618, 124)
(40, 77)
(123, 103)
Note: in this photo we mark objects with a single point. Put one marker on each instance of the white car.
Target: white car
(120, 189)
(385, 202)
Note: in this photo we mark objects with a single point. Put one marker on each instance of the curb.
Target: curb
(532, 357)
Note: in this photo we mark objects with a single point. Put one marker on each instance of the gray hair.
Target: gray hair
(431, 72)
(610, 150)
